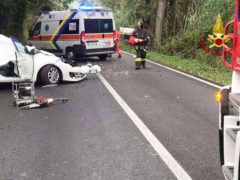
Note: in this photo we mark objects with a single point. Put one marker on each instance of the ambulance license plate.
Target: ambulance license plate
(92, 43)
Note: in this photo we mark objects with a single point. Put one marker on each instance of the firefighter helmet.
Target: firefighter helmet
(140, 23)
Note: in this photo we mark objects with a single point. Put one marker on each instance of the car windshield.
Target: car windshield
(19, 46)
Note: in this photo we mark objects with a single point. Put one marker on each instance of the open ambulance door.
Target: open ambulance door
(24, 61)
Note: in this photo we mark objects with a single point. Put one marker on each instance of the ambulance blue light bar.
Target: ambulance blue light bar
(85, 7)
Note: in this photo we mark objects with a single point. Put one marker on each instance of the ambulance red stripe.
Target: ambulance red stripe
(62, 37)
(98, 36)
(93, 36)
(72, 37)
(35, 38)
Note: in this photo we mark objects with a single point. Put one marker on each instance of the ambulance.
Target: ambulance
(87, 31)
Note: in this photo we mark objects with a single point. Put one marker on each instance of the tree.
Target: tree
(15, 14)
(159, 20)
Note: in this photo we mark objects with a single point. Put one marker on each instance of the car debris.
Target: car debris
(50, 85)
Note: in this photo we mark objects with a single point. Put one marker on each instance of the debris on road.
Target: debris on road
(50, 85)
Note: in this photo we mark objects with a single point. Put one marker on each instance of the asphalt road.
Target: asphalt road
(91, 137)
(181, 112)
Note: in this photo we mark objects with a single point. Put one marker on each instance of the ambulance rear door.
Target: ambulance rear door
(98, 28)
(106, 29)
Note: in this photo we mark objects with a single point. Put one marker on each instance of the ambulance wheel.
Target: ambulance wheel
(69, 54)
(50, 75)
(103, 57)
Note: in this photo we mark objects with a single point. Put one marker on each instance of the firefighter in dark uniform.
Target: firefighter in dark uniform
(141, 48)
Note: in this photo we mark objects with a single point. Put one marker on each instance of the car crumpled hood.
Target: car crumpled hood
(51, 59)
(7, 50)
(43, 55)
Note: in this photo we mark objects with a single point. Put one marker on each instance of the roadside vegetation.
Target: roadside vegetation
(184, 23)
(219, 73)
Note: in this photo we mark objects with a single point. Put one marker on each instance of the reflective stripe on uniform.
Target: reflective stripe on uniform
(143, 60)
(138, 59)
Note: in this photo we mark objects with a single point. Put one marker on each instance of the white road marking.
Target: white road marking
(179, 72)
(173, 165)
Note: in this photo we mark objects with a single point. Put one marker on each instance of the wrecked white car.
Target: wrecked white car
(19, 63)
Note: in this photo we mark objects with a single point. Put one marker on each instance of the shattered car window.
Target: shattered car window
(20, 47)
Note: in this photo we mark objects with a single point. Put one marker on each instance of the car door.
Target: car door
(106, 29)
(25, 63)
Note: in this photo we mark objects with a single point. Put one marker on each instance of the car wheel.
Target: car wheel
(70, 54)
(50, 75)
(103, 57)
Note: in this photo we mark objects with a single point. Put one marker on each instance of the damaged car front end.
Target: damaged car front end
(19, 63)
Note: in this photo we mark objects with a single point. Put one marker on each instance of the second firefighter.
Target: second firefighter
(141, 48)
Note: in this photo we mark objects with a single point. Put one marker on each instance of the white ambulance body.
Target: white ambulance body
(75, 33)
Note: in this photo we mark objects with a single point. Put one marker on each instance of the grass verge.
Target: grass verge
(219, 74)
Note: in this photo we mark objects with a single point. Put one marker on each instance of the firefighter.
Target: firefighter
(141, 50)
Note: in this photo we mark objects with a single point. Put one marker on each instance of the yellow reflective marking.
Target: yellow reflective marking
(58, 29)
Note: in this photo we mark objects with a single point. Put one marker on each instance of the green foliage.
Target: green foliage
(204, 15)
(18, 15)
(128, 12)
(12, 14)
(185, 22)
(175, 13)
(199, 21)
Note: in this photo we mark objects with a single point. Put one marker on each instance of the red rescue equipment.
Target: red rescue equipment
(133, 41)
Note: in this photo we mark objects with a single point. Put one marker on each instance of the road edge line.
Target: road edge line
(179, 72)
(172, 164)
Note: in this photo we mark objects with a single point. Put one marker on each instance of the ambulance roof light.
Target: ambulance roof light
(85, 7)
(89, 7)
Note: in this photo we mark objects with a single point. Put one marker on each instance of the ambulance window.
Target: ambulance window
(91, 26)
(37, 29)
(106, 25)
(72, 27)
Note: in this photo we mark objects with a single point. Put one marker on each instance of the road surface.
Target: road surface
(92, 137)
